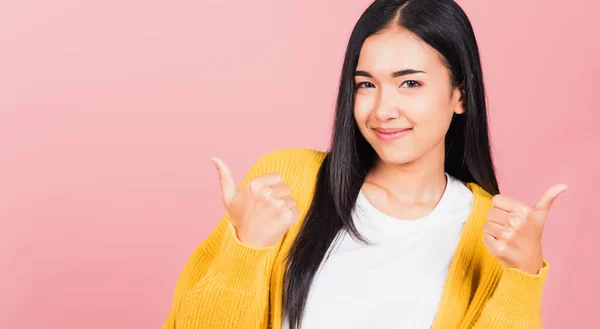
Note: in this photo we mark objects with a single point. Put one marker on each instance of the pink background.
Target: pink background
(110, 111)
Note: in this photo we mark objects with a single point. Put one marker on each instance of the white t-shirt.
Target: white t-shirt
(395, 283)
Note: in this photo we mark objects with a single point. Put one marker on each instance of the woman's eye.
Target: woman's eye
(408, 83)
(411, 84)
(364, 84)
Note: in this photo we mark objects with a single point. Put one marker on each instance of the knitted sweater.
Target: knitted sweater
(228, 284)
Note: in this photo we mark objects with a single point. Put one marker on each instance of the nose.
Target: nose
(388, 106)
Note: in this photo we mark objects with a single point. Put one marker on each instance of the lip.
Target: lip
(391, 134)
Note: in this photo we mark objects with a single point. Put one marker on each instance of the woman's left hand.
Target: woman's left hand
(513, 232)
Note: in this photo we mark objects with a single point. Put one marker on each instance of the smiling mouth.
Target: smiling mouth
(391, 130)
(387, 135)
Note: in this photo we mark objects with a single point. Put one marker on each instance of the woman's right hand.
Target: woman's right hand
(262, 211)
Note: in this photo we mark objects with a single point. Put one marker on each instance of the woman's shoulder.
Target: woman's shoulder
(298, 167)
(478, 191)
(482, 199)
(291, 159)
(296, 154)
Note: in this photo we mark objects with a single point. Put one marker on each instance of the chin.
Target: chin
(395, 157)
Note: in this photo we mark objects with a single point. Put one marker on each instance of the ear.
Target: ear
(459, 97)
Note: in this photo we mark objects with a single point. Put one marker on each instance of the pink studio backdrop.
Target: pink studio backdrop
(110, 111)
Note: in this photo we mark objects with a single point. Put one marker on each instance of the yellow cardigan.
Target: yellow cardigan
(228, 284)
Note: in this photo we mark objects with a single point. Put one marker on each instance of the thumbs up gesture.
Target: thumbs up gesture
(262, 211)
(513, 232)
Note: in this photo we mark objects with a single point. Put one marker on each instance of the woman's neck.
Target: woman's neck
(421, 181)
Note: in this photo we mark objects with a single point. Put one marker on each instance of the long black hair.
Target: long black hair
(444, 26)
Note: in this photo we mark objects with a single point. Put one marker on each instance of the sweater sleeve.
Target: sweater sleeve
(225, 283)
(516, 301)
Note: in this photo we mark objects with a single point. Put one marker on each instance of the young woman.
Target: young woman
(400, 224)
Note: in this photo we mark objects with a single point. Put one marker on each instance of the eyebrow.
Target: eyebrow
(394, 74)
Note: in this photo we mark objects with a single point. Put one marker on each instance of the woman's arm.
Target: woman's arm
(225, 283)
(516, 301)
(513, 235)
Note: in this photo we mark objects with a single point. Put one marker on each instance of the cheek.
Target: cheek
(362, 109)
(432, 115)
(428, 106)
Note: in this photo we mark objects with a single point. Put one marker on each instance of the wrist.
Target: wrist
(532, 268)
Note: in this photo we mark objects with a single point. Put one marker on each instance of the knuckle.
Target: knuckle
(516, 222)
(276, 204)
(292, 202)
(496, 198)
(267, 193)
(508, 234)
(283, 188)
(501, 249)
(253, 187)
(286, 215)
(526, 212)
(276, 176)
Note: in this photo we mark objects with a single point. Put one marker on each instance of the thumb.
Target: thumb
(228, 187)
(545, 202)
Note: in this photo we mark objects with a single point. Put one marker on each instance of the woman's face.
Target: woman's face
(402, 83)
